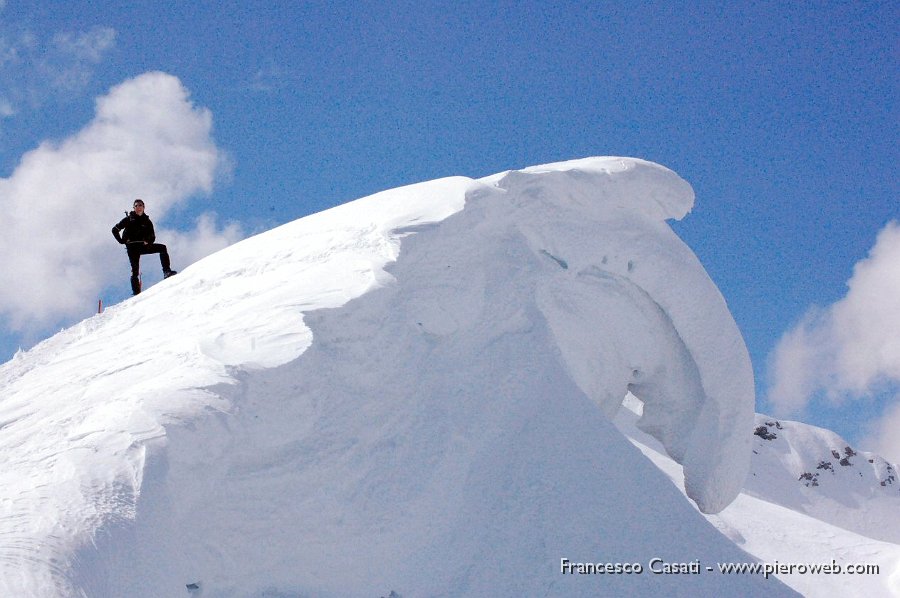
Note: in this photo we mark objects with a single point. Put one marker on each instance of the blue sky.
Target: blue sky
(781, 115)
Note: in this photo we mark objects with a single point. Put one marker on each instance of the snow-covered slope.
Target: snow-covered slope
(831, 480)
(407, 393)
(790, 516)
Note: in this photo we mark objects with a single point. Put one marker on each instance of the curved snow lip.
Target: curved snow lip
(681, 352)
(662, 194)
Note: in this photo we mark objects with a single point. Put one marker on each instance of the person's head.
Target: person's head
(139, 206)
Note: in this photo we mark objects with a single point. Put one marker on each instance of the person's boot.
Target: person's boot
(168, 273)
(135, 285)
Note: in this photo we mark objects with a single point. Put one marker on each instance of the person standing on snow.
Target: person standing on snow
(140, 239)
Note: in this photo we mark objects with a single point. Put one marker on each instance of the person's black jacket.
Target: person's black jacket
(137, 229)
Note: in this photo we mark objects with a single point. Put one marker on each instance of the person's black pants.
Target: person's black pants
(136, 250)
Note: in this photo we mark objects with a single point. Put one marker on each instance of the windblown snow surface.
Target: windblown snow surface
(810, 500)
(409, 393)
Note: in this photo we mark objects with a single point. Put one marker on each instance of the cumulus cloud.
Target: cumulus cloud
(850, 349)
(884, 436)
(205, 239)
(146, 140)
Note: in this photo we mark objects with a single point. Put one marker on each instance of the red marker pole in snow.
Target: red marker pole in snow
(99, 306)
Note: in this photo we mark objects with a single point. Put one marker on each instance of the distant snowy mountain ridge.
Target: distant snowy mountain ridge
(781, 517)
(852, 489)
(880, 472)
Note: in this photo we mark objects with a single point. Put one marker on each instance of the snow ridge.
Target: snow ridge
(390, 411)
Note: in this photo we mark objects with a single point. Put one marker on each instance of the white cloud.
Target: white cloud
(34, 71)
(204, 240)
(793, 365)
(88, 46)
(70, 61)
(852, 348)
(146, 140)
(884, 438)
